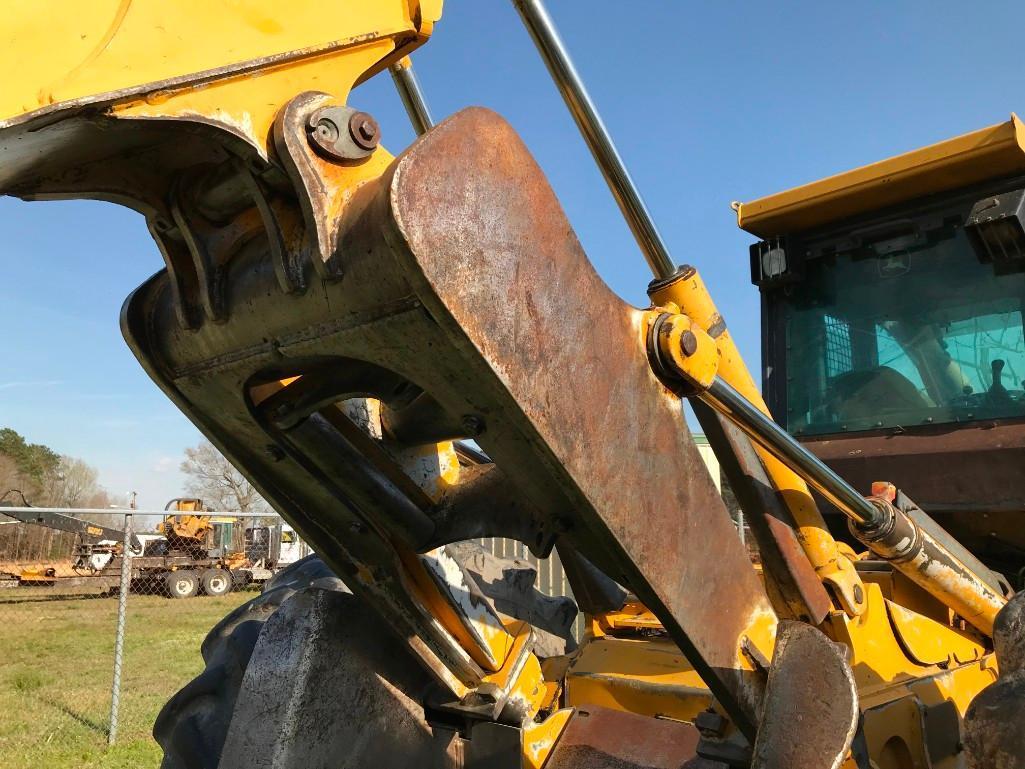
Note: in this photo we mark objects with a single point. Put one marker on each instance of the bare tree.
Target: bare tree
(216, 481)
(72, 484)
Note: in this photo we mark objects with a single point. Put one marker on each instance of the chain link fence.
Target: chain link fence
(93, 643)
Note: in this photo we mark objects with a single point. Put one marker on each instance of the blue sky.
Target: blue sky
(708, 102)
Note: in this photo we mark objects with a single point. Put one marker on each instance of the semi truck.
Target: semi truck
(192, 552)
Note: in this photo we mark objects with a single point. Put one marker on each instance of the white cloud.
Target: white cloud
(39, 383)
(165, 464)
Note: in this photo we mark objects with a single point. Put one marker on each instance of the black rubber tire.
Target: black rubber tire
(182, 583)
(216, 582)
(192, 726)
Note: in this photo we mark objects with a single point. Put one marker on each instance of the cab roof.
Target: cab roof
(992, 152)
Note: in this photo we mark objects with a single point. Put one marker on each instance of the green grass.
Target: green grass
(56, 663)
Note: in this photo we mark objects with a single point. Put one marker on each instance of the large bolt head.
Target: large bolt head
(323, 132)
(327, 131)
(688, 343)
(364, 130)
(341, 133)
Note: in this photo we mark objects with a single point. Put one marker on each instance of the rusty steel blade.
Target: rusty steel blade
(457, 272)
(810, 713)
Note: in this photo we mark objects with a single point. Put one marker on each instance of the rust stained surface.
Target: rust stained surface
(788, 572)
(594, 436)
(968, 478)
(457, 272)
(601, 738)
(811, 703)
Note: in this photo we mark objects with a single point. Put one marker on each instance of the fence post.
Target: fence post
(119, 635)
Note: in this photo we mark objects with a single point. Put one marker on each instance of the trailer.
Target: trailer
(195, 552)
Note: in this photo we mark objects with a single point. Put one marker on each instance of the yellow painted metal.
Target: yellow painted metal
(897, 588)
(498, 643)
(41, 575)
(878, 658)
(897, 722)
(521, 674)
(699, 366)
(903, 662)
(894, 686)
(928, 642)
(186, 526)
(633, 615)
(648, 676)
(433, 468)
(997, 150)
(539, 738)
(235, 62)
(689, 294)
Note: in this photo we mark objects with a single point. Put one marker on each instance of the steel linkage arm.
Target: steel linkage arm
(57, 518)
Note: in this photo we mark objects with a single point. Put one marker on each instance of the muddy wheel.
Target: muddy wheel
(181, 584)
(216, 581)
(192, 727)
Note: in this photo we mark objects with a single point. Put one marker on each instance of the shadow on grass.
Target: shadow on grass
(50, 598)
(85, 721)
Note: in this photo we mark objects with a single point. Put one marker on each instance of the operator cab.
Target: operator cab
(893, 345)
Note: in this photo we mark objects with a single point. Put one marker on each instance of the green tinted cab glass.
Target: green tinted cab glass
(892, 336)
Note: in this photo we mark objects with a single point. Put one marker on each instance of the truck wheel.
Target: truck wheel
(182, 584)
(216, 581)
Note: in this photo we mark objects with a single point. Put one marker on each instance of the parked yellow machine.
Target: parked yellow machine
(340, 321)
(188, 528)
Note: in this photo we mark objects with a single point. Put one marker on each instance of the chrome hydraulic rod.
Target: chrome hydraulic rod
(549, 45)
(726, 400)
(886, 529)
(412, 96)
(672, 284)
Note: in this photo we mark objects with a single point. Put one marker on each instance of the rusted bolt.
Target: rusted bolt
(688, 343)
(342, 133)
(364, 130)
(710, 723)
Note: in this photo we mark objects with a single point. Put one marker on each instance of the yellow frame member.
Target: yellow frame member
(240, 63)
(998, 150)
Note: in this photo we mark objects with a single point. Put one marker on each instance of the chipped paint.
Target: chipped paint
(471, 607)
(539, 739)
